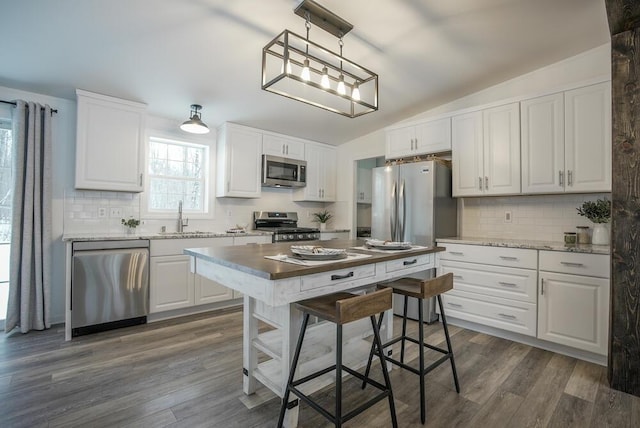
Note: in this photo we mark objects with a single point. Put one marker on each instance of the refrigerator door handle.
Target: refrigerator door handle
(394, 210)
(403, 204)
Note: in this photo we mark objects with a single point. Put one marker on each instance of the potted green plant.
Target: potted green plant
(599, 212)
(323, 218)
(130, 224)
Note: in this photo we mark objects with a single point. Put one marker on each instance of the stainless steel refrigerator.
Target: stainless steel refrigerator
(412, 202)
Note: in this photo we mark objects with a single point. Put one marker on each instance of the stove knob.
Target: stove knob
(291, 237)
(301, 236)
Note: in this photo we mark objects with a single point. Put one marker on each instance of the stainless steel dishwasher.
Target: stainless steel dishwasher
(109, 285)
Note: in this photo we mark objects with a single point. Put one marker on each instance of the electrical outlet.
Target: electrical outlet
(115, 212)
(102, 212)
(507, 217)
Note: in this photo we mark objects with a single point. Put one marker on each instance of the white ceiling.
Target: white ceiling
(172, 53)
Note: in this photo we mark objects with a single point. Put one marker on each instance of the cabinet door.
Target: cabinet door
(588, 139)
(327, 236)
(328, 171)
(239, 162)
(208, 291)
(109, 143)
(433, 136)
(171, 283)
(501, 127)
(321, 175)
(400, 142)
(365, 182)
(466, 154)
(542, 134)
(573, 310)
(281, 146)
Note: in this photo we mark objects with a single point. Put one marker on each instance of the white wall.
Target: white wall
(588, 66)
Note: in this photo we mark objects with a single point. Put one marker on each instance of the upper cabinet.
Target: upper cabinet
(277, 145)
(566, 141)
(429, 137)
(486, 152)
(365, 185)
(238, 162)
(321, 174)
(109, 143)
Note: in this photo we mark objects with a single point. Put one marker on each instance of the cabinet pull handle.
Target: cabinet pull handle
(479, 183)
(572, 264)
(561, 178)
(542, 286)
(508, 316)
(345, 276)
(570, 178)
(486, 183)
(287, 149)
(408, 263)
(228, 186)
(507, 284)
(455, 305)
(456, 253)
(140, 179)
(509, 258)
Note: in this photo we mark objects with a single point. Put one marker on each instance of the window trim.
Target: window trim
(208, 175)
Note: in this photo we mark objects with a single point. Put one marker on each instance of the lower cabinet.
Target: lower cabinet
(573, 310)
(326, 236)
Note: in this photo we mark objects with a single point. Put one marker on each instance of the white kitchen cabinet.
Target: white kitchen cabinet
(278, 145)
(493, 286)
(566, 141)
(321, 174)
(486, 152)
(327, 236)
(239, 162)
(573, 309)
(172, 285)
(364, 185)
(110, 147)
(429, 137)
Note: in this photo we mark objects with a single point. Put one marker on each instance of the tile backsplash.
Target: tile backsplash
(542, 218)
(90, 211)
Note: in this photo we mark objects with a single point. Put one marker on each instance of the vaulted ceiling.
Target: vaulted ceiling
(172, 53)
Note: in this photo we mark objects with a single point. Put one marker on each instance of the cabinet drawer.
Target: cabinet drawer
(167, 247)
(575, 263)
(511, 315)
(499, 256)
(336, 277)
(498, 281)
(408, 262)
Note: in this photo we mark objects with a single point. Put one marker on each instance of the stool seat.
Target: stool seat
(420, 288)
(342, 308)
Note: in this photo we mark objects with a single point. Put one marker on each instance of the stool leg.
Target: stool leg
(292, 372)
(339, 376)
(373, 347)
(385, 372)
(404, 327)
(421, 356)
(446, 335)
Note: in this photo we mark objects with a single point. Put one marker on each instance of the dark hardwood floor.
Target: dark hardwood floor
(187, 373)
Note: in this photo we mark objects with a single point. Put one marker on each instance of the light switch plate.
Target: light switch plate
(507, 217)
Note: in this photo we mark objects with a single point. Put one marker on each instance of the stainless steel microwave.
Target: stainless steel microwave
(283, 172)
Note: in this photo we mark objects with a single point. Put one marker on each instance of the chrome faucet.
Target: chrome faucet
(181, 223)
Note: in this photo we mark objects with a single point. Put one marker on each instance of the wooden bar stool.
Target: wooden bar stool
(342, 308)
(420, 289)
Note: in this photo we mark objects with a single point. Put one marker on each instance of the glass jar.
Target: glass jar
(570, 238)
(583, 235)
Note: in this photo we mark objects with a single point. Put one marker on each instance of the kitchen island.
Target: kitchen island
(271, 286)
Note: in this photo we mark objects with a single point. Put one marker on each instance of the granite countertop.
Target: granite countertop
(155, 235)
(251, 259)
(527, 243)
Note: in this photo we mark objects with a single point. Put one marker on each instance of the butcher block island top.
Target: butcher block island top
(251, 259)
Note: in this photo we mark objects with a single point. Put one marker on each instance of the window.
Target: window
(177, 171)
(6, 189)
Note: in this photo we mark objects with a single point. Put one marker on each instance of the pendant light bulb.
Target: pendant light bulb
(325, 78)
(282, 67)
(341, 88)
(355, 94)
(306, 74)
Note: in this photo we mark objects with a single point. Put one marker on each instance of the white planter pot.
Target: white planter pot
(600, 234)
(323, 227)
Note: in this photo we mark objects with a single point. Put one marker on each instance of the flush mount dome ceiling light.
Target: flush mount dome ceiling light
(297, 68)
(194, 125)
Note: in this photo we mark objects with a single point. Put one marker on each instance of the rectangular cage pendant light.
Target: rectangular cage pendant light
(297, 68)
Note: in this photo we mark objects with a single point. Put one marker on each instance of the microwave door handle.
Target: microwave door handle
(402, 204)
(393, 210)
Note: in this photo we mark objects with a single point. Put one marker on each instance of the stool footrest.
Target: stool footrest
(417, 371)
(313, 376)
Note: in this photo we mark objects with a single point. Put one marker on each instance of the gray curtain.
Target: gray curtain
(30, 273)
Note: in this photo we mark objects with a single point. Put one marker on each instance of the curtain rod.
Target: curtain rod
(13, 103)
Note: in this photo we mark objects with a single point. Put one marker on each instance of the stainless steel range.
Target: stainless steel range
(284, 226)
